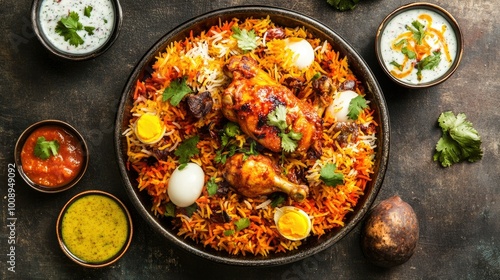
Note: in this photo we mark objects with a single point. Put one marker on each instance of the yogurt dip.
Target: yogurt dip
(418, 46)
(97, 19)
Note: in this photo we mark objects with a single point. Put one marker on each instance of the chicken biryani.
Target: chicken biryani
(251, 137)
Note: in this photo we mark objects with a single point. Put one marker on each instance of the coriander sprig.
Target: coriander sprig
(44, 149)
(330, 176)
(289, 139)
(69, 25)
(247, 40)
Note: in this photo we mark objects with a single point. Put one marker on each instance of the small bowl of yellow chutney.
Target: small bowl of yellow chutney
(94, 229)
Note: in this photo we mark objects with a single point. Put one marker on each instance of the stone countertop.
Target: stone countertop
(458, 207)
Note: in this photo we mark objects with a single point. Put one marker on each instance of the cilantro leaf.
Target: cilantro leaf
(447, 151)
(212, 186)
(251, 151)
(277, 200)
(191, 209)
(44, 149)
(89, 29)
(242, 223)
(67, 27)
(247, 40)
(289, 141)
(227, 134)
(169, 209)
(87, 11)
(277, 118)
(459, 141)
(356, 105)
(228, 232)
(176, 91)
(329, 176)
(231, 129)
(343, 5)
(186, 150)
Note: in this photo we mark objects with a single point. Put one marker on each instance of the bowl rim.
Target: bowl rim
(274, 12)
(125, 246)
(427, 6)
(70, 129)
(70, 56)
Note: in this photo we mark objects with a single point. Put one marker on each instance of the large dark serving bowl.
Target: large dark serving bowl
(311, 246)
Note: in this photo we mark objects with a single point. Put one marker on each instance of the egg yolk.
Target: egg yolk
(293, 225)
(149, 128)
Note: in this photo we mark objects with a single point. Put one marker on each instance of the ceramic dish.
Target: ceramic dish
(94, 229)
(142, 201)
(73, 153)
(76, 30)
(411, 66)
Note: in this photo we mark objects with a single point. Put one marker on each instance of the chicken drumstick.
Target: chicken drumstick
(257, 175)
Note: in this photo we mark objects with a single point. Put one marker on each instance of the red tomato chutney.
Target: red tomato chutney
(59, 169)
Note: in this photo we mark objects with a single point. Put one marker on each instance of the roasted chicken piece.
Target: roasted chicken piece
(258, 175)
(253, 94)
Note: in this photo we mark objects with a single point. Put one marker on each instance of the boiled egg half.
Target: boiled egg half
(339, 108)
(186, 184)
(149, 129)
(304, 52)
(292, 223)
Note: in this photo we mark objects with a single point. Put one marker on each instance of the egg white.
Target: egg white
(303, 50)
(339, 108)
(185, 185)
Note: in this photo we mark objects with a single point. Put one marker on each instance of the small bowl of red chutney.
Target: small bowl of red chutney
(51, 156)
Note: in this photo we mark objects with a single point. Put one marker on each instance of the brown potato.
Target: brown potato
(390, 233)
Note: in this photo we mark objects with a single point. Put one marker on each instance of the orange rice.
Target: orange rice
(200, 59)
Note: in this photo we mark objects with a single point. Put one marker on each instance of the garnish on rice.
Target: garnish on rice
(247, 41)
(176, 91)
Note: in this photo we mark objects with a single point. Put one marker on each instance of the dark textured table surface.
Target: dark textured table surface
(458, 207)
